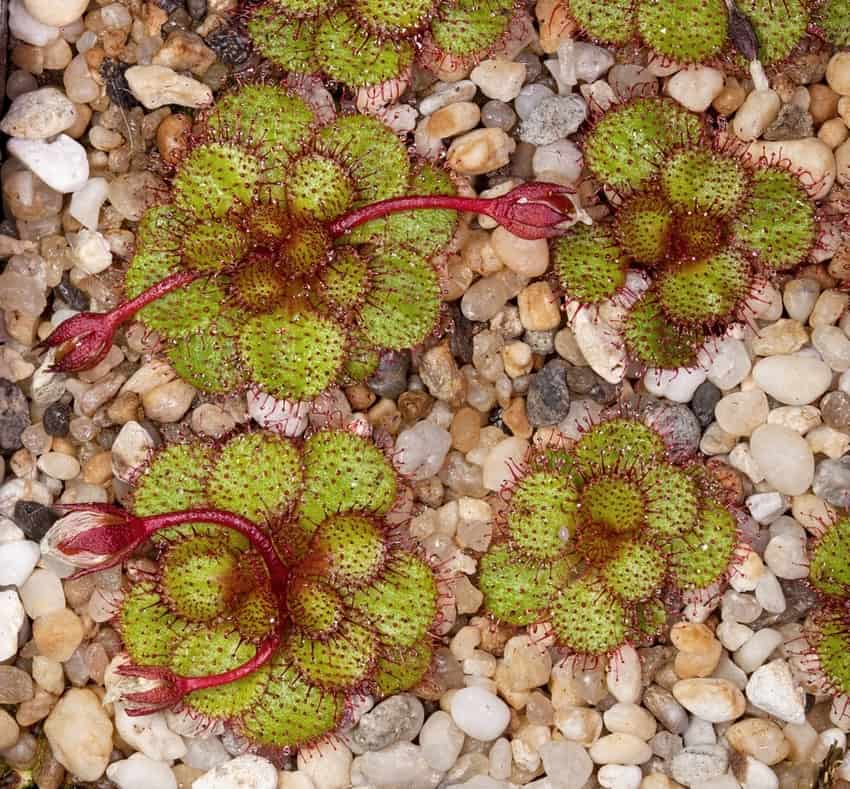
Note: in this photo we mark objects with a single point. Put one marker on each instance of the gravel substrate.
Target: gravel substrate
(728, 700)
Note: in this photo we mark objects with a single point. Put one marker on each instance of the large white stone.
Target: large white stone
(243, 772)
(39, 114)
(25, 27)
(57, 13)
(11, 621)
(156, 86)
(62, 163)
(794, 380)
(784, 457)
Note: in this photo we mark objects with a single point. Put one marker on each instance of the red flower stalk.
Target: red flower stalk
(84, 340)
(170, 688)
(531, 211)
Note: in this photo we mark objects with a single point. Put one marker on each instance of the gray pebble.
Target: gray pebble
(832, 481)
(548, 400)
(705, 398)
(390, 379)
(699, 763)
(398, 719)
(14, 415)
(553, 119)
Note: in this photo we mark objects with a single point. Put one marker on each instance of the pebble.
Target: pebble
(499, 79)
(14, 415)
(157, 86)
(548, 397)
(503, 461)
(794, 380)
(623, 675)
(25, 27)
(529, 97)
(61, 163)
(441, 741)
(401, 764)
(758, 111)
(759, 738)
(559, 162)
(446, 93)
(620, 748)
(479, 713)
(784, 457)
(699, 763)
(421, 450)
(626, 718)
(527, 664)
(80, 734)
(9, 730)
(58, 465)
(480, 151)
(56, 14)
(12, 619)
(15, 685)
(398, 718)
(713, 700)
(579, 61)
(454, 119)
(772, 688)
(785, 555)
(757, 649)
(140, 772)
(57, 634)
(740, 413)
(149, 734)
(676, 385)
(528, 258)
(243, 772)
(620, 776)
(600, 345)
(553, 119)
(838, 73)
(168, 402)
(696, 87)
(42, 593)
(567, 764)
(327, 764)
(39, 114)
(538, 308)
(34, 518)
(17, 560)
(56, 419)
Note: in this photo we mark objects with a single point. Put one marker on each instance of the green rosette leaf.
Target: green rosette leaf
(589, 263)
(687, 31)
(610, 22)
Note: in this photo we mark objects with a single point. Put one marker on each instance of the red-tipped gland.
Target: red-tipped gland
(171, 688)
(84, 340)
(531, 211)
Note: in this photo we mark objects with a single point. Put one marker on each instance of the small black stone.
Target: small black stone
(56, 419)
(14, 415)
(72, 295)
(116, 84)
(390, 379)
(33, 519)
(705, 398)
(232, 45)
(169, 6)
(461, 335)
(548, 400)
(197, 9)
(583, 381)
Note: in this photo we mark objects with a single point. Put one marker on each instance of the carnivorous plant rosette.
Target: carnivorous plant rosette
(696, 31)
(363, 43)
(702, 223)
(293, 251)
(601, 539)
(282, 589)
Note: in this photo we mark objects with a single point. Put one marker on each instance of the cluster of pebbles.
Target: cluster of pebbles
(102, 94)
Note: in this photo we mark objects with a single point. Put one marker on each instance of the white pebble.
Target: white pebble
(12, 619)
(39, 114)
(785, 555)
(42, 593)
(140, 772)
(421, 450)
(676, 385)
(441, 741)
(620, 749)
(620, 776)
(87, 202)
(785, 458)
(772, 688)
(696, 87)
(149, 734)
(25, 27)
(479, 713)
(499, 79)
(57, 13)
(17, 560)
(757, 649)
(730, 364)
(503, 462)
(243, 772)
(794, 380)
(61, 163)
(623, 675)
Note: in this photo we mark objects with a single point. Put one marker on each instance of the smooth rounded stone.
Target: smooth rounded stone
(527, 664)
(785, 555)
(661, 703)
(739, 607)
(499, 79)
(676, 385)
(620, 749)
(168, 402)
(757, 649)
(57, 634)
(421, 450)
(553, 119)
(739, 413)
(140, 772)
(454, 119)
(759, 738)
(754, 774)
(730, 364)
(149, 734)
(59, 465)
(832, 482)
(829, 307)
(799, 297)
(600, 345)
(758, 111)
(838, 73)
(485, 298)
(328, 764)
(733, 635)
(9, 730)
(567, 764)
(624, 718)
(623, 675)
(579, 61)
(17, 560)
(480, 151)
(204, 753)
(39, 114)
(499, 115)
(441, 741)
(243, 772)
(57, 13)
(479, 713)
(502, 461)
(26, 28)
(61, 163)
(15, 685)
(698, 763)
(548, 398)
(80, 734)
(397, 719)
(402, 764)
(42, 593)
(824, 440)
(12, 619)
(810, 155)
(676, 423)
(785, 336)
(620, 776)
(14, 414)
(56, 420)
(772, 689)
(713, 700)
(446, 93)
(785, 458)
(157, 86)
(696, 87)
(793, 380)
(559, 162)
(528, 258)
(834, 347)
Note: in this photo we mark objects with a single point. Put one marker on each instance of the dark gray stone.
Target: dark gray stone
(705, 398)
(57, 419)
(33, 519)
(72, 295)
(14, 415)
(677, 424)
(390, 379)
(548, 400)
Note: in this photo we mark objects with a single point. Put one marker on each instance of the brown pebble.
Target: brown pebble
(9, 730)
(360, 396)
(80, 125)
(385, 416)
(15, 685)
(414, 406)
(97, 470)
(730, 98)
(124, 408)
(172, 137)
(823, 104)
(516, 418)
(185, 775)
(466, 429)
(48, 772)
(36, 709)
(58, 634)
